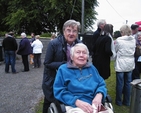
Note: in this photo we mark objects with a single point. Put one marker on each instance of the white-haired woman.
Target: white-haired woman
(78, 84)
(100, 26)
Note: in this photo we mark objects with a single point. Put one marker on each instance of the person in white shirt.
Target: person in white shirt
(37, 51)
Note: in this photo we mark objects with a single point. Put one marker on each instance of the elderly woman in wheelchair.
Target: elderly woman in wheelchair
(78, 84)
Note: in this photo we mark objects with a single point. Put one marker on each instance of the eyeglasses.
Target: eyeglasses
(71, 31)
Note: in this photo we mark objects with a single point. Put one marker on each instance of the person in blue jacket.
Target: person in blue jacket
(57, 54)
(78, 83)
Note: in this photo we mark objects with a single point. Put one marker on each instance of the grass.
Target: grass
(39, 107)
(111, 85)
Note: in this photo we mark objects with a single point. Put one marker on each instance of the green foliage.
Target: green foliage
(2, 33)
(46, 35)
(44, 15)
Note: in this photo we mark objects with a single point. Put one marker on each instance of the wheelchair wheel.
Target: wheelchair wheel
(52, 108)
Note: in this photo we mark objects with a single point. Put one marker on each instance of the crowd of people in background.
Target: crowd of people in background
(26, 47)
(125, 51)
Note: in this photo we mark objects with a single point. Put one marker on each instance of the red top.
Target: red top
(139, 23)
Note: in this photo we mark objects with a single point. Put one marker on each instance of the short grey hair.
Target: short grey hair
(139, 33)
(100, 22)
(23, 34)
(71, 23)
(125, 30)
(76, 45)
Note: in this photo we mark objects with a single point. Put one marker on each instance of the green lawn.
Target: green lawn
(111, 83)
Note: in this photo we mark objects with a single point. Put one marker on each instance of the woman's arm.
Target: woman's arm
(51, 54)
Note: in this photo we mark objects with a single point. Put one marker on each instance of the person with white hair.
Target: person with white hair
(78, 84)
(103, 51)
(24, 50)
(100, 26)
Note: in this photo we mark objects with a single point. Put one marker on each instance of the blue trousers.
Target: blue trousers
(10, 58)
(123, 87)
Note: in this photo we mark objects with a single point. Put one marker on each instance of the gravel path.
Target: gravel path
(19, 93)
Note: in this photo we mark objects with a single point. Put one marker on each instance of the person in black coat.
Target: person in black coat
(100, 26)
(57, 54)
(103, 51)
(10, 46)
(24, 50)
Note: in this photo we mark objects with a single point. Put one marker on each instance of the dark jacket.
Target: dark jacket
(55, 56)
(95, 37)
(32, 39)
(24, 47)
(101, 57)
(9, 44)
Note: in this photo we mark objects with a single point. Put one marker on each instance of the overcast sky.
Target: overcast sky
(117, 12)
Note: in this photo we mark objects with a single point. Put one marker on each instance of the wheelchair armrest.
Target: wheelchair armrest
(60, 106)
(108, 99)
(63, 108)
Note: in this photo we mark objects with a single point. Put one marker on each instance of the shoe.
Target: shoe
(126, 104)
(6, 72)
(15, 72)
(39, 66)
(25, 71)
(118, 104)
(33, 67)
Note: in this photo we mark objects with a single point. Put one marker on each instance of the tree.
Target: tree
(45, 15)
(3, 14)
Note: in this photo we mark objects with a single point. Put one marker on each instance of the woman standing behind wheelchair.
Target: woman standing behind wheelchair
(57, 53)
(78, 84)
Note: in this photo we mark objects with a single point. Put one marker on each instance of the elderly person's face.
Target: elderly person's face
(139, 37)
(102, 26)
(70, 34)
(80, 56)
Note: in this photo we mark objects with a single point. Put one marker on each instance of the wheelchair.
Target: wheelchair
(57, 107)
